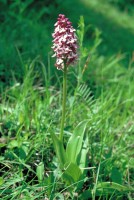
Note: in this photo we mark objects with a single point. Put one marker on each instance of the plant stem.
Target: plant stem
(63, 101)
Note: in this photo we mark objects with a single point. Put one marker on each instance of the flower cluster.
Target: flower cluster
(65, 42)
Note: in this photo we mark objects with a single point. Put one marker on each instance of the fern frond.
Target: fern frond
(85, 93)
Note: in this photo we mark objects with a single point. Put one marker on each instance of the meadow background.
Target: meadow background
(100, 89)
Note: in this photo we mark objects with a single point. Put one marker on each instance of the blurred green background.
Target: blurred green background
(26, 30)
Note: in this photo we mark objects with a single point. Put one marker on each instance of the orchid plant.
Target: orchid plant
(65, 48)
(72, 159)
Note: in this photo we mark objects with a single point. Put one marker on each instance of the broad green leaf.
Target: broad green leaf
(60, 151)
(1, 181)
(72, 173)
(74, 144)
(2, 158)
(83, 155)
(85, 195)
(40, 171)
(22, 154)
(116, 175)
(2, 145)
(13, 143)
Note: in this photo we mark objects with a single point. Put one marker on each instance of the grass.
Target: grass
(28, 117)
(30, 109)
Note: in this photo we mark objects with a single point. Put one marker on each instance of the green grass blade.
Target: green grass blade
(106, 188)
(111, 186)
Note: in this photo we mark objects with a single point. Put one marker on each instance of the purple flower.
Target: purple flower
(64, 43)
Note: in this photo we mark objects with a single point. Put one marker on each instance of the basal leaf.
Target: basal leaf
(74, 144)
(83, 155)
(60, 151)
(40, 171)
(72, 173)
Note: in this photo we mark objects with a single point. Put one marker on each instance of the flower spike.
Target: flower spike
(64, 43)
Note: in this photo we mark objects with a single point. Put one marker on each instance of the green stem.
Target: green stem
(63, 102)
